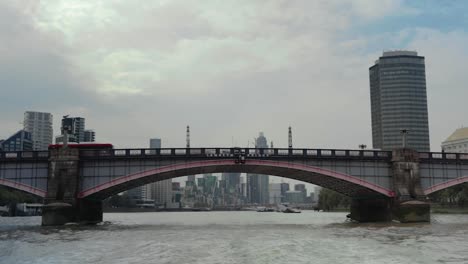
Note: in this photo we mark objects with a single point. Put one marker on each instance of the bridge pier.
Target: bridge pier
(60, 204)
(410, 202)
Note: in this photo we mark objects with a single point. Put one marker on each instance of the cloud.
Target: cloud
(35, 72)
(446, 54)
(227, 68)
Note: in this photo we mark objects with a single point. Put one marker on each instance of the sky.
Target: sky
(229, 69)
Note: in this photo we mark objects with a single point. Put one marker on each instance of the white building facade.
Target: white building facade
(39, 124)
(457, 142)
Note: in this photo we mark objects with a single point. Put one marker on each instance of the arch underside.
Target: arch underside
(445, 185)
(339, 182)
(22, 187)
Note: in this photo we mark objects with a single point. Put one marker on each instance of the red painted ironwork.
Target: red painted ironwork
(210, 163)
(445, 185)
(23, 187)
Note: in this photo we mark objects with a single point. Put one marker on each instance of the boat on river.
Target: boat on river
(265, 209)
(286, 208)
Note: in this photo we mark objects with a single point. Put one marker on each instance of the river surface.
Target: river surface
(234, 237)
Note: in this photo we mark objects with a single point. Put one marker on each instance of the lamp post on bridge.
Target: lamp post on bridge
(404, 133)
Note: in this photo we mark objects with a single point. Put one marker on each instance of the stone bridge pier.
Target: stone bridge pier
(61, 204)
(409, 203)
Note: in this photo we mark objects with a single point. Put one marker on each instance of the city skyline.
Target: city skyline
(313, 78)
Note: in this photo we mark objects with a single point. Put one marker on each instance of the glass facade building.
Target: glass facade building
(399, 101)
(20, 141)
(258, 184)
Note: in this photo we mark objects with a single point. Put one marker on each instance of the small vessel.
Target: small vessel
(265, 209)
(291, 210)
(285, 208)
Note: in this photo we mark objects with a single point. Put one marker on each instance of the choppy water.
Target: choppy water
(234, 237)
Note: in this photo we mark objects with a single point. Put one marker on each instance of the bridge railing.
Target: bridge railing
(443, 156)
(232, 152)
(24, 155)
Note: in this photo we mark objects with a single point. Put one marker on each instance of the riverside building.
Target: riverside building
(457, 142)
(399, 101)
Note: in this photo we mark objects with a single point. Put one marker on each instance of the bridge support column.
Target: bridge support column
(410, 202)
(60, 204)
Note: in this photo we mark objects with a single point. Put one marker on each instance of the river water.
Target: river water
(234, 237)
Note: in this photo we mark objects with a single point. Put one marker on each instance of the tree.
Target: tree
(329, 200)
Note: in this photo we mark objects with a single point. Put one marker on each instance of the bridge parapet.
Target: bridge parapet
(434, 157)
(230, 152)
(24, 155)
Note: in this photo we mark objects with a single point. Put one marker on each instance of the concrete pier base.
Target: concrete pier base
(89, 211)
(55, 214)
(83, 212)
(381, 210)
(412, 212)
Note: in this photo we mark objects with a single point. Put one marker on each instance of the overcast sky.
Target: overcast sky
(229, 69)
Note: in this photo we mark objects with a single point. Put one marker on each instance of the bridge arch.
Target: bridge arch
(337, 181)
(23, 187)
(445, 185)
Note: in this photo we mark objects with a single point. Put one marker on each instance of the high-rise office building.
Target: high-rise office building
(233, 187)
(275, 193)
(399, 101)
(258, 184)
(284, 189)
(161, 191)
(39, 124)
(232, 181)
(301, 188)
(74, 127)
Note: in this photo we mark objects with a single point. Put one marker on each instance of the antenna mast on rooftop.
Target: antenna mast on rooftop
(290, 137)
(188, 137)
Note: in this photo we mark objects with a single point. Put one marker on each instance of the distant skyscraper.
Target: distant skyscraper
(275, 193)
(232, 181)
(301, 188)
(284, 189)
(39, 124)
(233, 187)
(399, 101)
(258, 184)
(161, 191)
